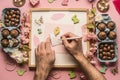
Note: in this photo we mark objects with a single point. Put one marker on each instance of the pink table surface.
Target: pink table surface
(6, 75)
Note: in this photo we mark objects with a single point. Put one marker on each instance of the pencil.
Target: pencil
(74, 38)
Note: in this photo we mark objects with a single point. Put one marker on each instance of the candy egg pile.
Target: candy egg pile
(10, 33)
(11, 17)
(106, 35)
(107, 52)
(106, 31)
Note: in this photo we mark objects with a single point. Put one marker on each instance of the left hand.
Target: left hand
(45, 56)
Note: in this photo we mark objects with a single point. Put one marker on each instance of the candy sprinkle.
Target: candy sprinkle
(20, 72)
(71, 74)
(103, 69)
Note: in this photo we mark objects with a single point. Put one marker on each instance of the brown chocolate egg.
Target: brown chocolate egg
(12, 23)
(5, 42)
(17, 20)
(113, 55)
(111, 25)
(8, 12)
(106, 45)
(18, 16)
(14, 33)
(9, 17)
(11, 12)
(101, 46)
(109, 58)
(108, 48)
(101, 55)
(12, 19)
(6, 16)
(105, 53)
(101, 26)
(109, 54)
(111, 51)
(105, 49)
(5, 33)
(14, 15)
(104, 57)
(101, 50)
(112, 46)
(6, 20)
(16, 24)
(7, 24)
(102, 35)
(112, 35)
(18, 12)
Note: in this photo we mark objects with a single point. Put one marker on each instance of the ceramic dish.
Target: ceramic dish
(9, 42)
(107, 52)
(11, 17)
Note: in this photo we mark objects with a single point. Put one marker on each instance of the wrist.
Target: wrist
(42, 71)
(80, 57)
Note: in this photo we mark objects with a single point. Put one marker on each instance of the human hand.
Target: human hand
(73, 46)
(45, 56)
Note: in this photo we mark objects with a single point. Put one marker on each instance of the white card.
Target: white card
(55, 40)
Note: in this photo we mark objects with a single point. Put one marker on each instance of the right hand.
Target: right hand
(74, 46)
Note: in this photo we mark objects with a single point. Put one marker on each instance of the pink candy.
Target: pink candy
(65, 2)
(34, 2)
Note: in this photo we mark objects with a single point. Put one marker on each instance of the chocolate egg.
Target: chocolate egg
(113, 55)
(101, 26)
(106, 45)
(112, 35)
(101, 55)
(12, 23)
(12, 19)
(111, 25)
(9, 17)
(104, 57)
(105, 49)
(112, 51)
(5, 33)
(109, 58)
(14, 15)
(16, 24)
(105, 53)
(14, 33)
(18, 12)
(5, 42)
(101, 46)
(11, 12)
(109, 54)
(8, 12)
(6, 20)
(17, 16)
(7, 24)
(108, 48)
(102, 35)
(101, 50)
(17, 20)
(6, 16)
(112, 46)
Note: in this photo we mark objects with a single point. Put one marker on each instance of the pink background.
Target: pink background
(6, 75)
